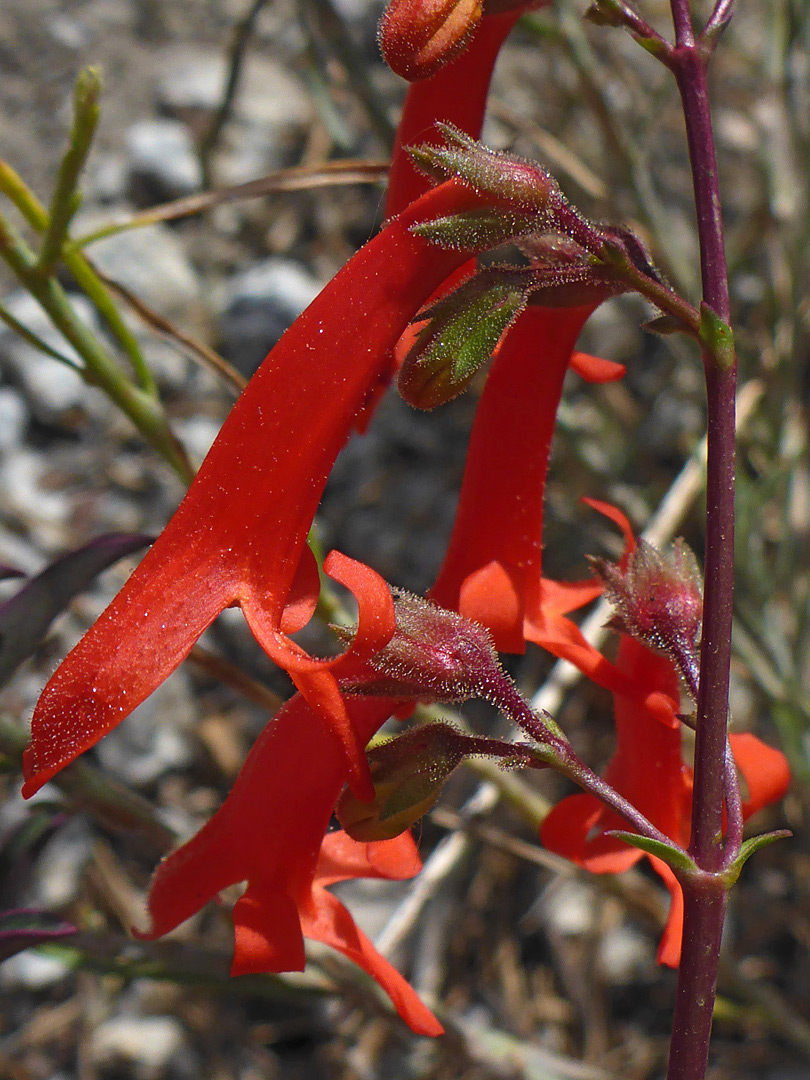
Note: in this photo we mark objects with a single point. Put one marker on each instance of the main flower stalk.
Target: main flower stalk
(705, 898)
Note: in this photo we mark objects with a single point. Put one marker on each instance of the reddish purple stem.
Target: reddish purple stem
(705, 895)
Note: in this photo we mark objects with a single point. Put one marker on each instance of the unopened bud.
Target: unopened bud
(658, 600)
(409, 771)
(460, 335)
(524, 184)
(434, 655)
(418, 37)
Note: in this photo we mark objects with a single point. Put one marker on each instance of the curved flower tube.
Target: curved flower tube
(647, 768)
(239, 535)
(270, 833)
(493, 568)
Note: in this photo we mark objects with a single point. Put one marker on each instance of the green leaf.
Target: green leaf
(673, 856)
(717, 337)
(755, 843)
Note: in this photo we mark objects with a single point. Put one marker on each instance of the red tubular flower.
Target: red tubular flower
(647, 768)
(269, 832)
(239, 535)
(493, 568)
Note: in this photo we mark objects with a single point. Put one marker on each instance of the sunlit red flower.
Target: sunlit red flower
(493, 568)
(269, 833)
(239, 536)
(456, 94)
(647, 768)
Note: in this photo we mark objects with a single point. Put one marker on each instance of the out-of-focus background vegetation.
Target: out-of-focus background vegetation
(539, 970)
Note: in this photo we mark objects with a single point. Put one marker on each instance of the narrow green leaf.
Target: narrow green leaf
(673, 856)
(749, 847)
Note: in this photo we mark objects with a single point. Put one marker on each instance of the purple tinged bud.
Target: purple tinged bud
(434, 655)
(408, 774)
(658, 600)
(409, 771)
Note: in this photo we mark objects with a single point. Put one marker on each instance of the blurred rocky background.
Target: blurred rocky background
(543, 973)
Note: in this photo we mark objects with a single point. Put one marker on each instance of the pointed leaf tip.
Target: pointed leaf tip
(674, 856)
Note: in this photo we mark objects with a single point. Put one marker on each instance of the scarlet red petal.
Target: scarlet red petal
(595, 370)
(615, 515)
(239, 533)
(303, 596)
(560, 597)
(327, 920)
(270, 827)
(267, 932)
(765, 771)
(136, 643)
(456, 94)
(500, 516)
(314, 678)
(563, 638)
(342, 858)
(669, 948)
(195, 873)
(574, 828)
(494, 595)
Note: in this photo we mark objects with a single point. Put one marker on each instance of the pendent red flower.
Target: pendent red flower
(239, 536)
(648, 769)
(269, 833)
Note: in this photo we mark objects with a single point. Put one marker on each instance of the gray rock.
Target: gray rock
(189, 77)
(13, 418)
(270, 115)
(146, 1042)
(151, 262)
(258, 305)
(163, 163)
(50, 387)
(32, 971)
(105, 179)
(625, 956)
(197, 433)
(568, 907)
(25, 497)
(61, 866)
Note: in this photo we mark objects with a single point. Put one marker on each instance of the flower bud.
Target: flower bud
(434, 655)
(525, 185)
(460, 335)
(418, 37)
(658, 600)
(409, 771)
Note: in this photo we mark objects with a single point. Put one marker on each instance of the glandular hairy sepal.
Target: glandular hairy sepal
(523, 183)
(476, 230)
(460, 335)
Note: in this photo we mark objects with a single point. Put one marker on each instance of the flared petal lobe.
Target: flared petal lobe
(269, 832)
